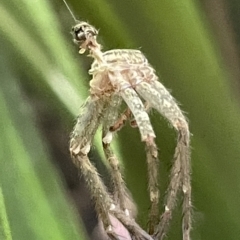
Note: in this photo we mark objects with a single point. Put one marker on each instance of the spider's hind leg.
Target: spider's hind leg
(160, 99)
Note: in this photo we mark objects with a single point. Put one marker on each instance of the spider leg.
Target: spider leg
(147, 134)
(121, 194)
(160, 99)
(152, 160)
(120, 122)
(80, 143)
(126, 115)
(89, 119)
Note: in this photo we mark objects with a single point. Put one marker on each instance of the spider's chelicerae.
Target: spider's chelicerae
(126, 76)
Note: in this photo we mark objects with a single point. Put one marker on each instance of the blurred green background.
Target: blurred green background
(194, 47)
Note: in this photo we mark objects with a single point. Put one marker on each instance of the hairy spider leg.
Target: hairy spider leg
(147, 135)
(87, 123)
(153, 186)
(126, 115)
(120, 122)
(152, 161)
(121, 194)
(160, 99)
(89, 119)
(181, 125)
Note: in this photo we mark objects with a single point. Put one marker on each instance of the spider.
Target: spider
(125, 76)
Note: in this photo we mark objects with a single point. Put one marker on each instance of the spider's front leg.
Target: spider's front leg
(160, 99)
(88, 121)
(80, 144)
(147, 134)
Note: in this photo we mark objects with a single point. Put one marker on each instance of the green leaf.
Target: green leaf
(5, 232)
(34, 197)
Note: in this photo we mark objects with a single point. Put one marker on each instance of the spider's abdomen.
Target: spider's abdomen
(131, 64)
(128, 56)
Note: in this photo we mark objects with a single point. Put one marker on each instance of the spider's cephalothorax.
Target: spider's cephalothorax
(126, 76)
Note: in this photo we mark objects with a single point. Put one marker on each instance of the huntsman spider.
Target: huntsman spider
(125, 76)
